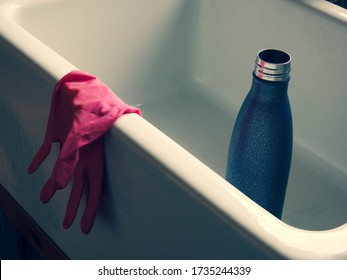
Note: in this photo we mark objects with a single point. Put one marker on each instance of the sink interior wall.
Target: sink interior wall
(135, 47)
(188, 66)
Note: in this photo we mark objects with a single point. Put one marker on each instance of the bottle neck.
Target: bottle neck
(272, 65)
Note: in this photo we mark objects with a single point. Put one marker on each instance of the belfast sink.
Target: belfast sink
(187, 65)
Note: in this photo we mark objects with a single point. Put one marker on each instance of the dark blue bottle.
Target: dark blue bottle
(260, 148)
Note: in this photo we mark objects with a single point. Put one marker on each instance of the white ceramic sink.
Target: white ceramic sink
(187, 65)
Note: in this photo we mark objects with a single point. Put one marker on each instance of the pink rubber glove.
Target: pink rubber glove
(83, 109)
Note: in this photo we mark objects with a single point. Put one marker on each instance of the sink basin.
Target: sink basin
(187, 65)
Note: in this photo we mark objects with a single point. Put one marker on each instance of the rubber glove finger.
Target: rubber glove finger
(62, 174)
(95, 176)
(39, 157)
(92, 203)
(48, 190)
(75, 197)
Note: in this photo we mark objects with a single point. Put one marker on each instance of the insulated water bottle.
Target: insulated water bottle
(260, 149)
